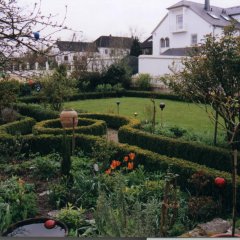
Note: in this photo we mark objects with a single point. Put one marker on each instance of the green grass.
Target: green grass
(185, 115)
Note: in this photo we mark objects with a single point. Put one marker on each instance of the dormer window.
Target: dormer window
(226, 17)
(179, 21)
(213, 15)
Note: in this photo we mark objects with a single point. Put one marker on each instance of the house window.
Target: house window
(162, 43)
(66, 58)
(74, 58)
(194, 39)
(167, 42)
(106, 51)
(112, 51)
(179, 22)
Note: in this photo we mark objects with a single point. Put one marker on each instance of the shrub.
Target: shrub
(112, 120)
(18, 199)
(72, 216)
(92, 78)
(46, 167)
(210, 156)
(104, 88)
(22, 126)
(118, 73)
(87, 126)
(9, 115)
(36, 111)
(9, 90)
(143, 81)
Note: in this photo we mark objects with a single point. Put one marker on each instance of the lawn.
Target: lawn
(185, 115)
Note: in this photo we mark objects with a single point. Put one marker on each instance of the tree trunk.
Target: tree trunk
(215, 129)
(234, 174)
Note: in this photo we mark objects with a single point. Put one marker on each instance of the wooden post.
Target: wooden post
(73, 137)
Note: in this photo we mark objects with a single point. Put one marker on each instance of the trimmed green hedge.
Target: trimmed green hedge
(22, 126)
(86, 126)
(202, 154)
(113, 121)
(156, 95)
(47, 143)
(98, 95)
(36, 111)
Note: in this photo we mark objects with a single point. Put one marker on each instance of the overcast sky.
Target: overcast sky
(116, 17)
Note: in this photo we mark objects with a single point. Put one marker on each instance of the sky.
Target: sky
(91, 19)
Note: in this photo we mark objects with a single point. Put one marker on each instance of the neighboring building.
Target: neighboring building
(96, 55)
(146, 46)
(184, 26)
(67, 52)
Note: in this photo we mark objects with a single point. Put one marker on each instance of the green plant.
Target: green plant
(5, 216)
(17, 200)
(9, 90)
(57, 87)
(46, 167)
(72, 216)
(143, 81)
(104, 88)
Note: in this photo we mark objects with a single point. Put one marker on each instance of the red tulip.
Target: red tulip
(49, 224)
(220, 182)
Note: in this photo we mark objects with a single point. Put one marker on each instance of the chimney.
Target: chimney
(207, 5)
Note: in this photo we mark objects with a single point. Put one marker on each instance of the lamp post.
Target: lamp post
(118, 103)
(162, 106)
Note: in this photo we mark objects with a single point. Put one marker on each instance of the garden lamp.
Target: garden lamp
(162, 106)
(118, 103)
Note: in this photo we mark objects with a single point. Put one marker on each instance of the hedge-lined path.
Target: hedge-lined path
(112, 135)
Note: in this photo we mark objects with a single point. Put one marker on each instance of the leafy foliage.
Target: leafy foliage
(57, 88)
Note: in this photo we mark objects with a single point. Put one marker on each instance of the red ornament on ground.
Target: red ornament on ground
(220, 182)
(49, 224)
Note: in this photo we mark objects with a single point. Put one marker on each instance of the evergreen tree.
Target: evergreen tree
(135, 48)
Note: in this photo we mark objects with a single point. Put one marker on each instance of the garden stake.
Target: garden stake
(73, 137)
(154, 115)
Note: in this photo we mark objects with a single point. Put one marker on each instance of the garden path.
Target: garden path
(112, 135)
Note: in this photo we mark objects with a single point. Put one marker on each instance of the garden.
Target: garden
(102, 188)
(171, 169)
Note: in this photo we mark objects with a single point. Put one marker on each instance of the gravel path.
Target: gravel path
(112, 135)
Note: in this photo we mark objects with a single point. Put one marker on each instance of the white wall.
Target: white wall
(158, 65)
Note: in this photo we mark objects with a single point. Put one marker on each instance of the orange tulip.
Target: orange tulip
(130, 166)
(115, 164)
(131, 156)
(108, 171)
(125, 159)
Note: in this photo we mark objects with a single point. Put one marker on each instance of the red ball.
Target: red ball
(220, 182)
(49, 224)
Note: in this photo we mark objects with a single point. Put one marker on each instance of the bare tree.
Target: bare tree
(23, 29)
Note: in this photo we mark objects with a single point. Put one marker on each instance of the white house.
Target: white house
(96, 55)
(185, 25)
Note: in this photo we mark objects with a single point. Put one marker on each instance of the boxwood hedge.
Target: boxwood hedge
(86, 126)
(213, 157)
